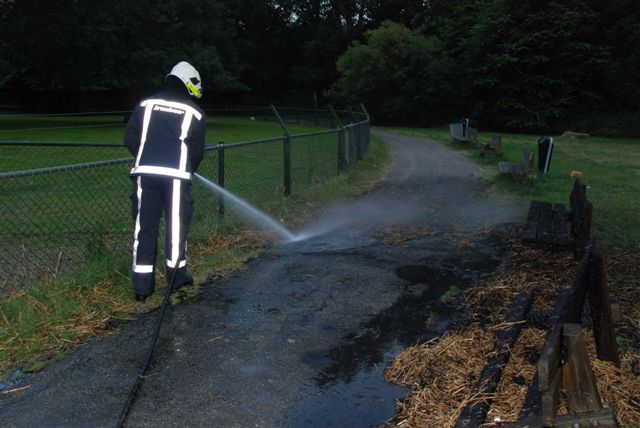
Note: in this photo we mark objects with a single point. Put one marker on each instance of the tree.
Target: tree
(117, 44)
(325, 29)
(527, 65)
(266, 46)
(394, 73)
(619, 32)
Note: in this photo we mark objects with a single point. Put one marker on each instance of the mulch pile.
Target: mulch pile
(442, 372)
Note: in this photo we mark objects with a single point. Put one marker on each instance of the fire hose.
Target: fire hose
(136, 386)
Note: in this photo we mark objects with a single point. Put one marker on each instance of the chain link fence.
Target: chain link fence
(65, 190)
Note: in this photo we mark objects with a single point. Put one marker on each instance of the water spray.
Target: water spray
(250, 211)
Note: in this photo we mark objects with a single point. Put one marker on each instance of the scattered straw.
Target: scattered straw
(517, 375)
(619, 387)
(443, 371)
(217, 241)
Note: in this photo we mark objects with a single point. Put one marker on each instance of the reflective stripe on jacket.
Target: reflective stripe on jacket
(166, 137)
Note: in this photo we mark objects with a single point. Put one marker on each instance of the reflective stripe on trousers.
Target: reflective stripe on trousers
(151, 196)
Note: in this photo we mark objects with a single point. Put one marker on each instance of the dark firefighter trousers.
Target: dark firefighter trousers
(153, 194)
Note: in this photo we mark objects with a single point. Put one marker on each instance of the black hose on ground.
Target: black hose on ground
(136, 386)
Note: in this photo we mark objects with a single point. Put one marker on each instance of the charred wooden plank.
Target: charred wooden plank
(539, 318)
(530, 233)
(559, 225)
(474, 414)
(531, 412)
(549, 221)
(545, 224)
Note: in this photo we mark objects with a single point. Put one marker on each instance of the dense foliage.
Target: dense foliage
(534, 65)
(525, 65)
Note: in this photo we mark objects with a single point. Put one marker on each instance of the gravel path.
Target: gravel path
(302, 336)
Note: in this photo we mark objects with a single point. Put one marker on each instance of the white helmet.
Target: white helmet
(189, 76)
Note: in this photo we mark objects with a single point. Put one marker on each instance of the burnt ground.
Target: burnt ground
(302, 336)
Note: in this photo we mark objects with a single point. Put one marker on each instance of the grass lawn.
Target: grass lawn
(41, 324)
(610, 168)
(58, 219)
(110, 130)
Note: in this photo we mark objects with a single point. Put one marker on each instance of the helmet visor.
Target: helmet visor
(194, 88)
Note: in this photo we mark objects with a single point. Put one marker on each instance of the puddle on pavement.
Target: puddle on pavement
(364, 400)
(350, 389)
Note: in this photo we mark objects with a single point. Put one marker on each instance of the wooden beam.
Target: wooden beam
(550, 400)
(600, 303)
(549, 361)
(578, 380)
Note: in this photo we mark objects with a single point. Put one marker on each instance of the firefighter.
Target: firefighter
(165, 134)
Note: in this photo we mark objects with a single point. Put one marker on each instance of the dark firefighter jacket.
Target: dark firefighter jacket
(166, 136)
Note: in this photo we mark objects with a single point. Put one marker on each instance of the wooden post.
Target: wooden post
(600, 303)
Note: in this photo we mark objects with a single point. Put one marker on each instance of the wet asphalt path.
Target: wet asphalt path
(302, 336)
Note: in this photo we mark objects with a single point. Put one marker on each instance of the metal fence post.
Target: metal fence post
(351, 144)
(286, 152)
(358, 134)
(335, 117)
(342, 161)
(364, 110)
(287, 165)
(367, 134)
(221, 177)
